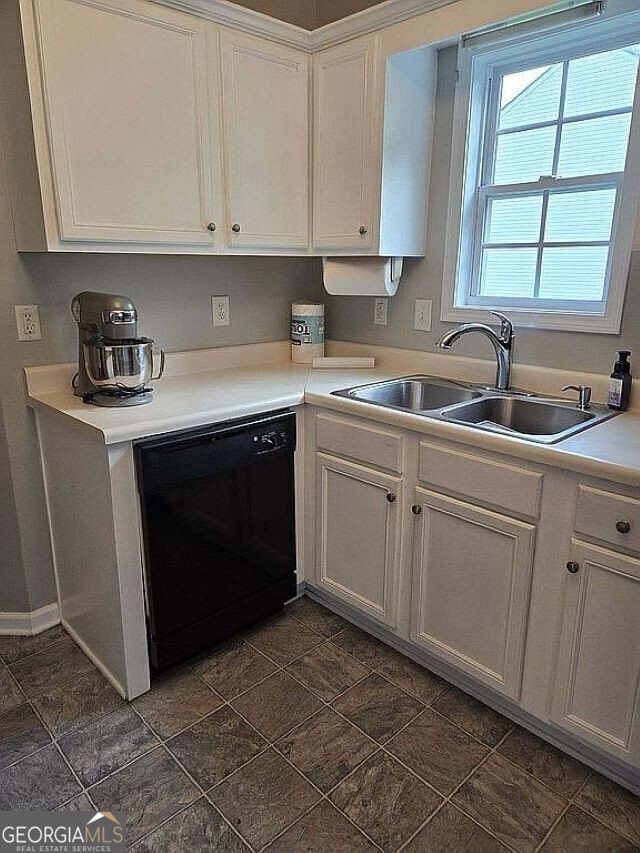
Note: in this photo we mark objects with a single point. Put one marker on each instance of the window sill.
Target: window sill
(590, 323)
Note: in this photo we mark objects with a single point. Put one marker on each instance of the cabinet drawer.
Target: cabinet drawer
(365, 443)
(598, 514)
(514, 489)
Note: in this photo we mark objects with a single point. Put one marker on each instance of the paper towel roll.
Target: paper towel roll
(361, 276)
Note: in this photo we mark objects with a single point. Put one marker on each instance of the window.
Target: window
(547, 190)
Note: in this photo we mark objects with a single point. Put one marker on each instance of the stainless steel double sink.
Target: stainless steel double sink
(518, 414)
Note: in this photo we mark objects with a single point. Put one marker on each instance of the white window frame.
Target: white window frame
(476, 65)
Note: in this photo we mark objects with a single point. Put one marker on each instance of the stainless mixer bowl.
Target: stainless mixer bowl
(121, 365)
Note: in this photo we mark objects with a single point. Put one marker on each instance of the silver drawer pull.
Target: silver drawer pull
(623, 527)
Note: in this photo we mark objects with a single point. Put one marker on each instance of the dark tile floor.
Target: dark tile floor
(304, 735)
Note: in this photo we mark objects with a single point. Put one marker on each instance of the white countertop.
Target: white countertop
(610, 450)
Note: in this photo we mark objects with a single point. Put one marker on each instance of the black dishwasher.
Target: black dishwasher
(218, 520)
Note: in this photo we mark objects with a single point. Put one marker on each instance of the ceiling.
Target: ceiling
(309, 14)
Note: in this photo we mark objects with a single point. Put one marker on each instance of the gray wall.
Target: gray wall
(350, 318)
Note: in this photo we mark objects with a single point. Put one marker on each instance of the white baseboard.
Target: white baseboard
(34, 622)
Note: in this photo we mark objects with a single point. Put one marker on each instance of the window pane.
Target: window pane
(580, 216)
(574, 273)
(594, 147)
(529, 97)
(604, 81)
(514, 220)
(508, 272)
(524, 156)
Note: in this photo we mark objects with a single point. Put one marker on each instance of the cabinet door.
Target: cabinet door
(266, 144)
(358, 539)
(125, 87)
(345, 129)
(597, 695)
(471, 582)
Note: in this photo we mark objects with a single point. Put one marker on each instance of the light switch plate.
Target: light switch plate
(221, 310)
(380, 311)
(28, 322)
(422, 319)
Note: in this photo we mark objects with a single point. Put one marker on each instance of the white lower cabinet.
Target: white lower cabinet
(476, 587)
(597, 693)
(471, 582)
(358, 535)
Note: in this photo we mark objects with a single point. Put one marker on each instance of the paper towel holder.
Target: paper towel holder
(361, 275)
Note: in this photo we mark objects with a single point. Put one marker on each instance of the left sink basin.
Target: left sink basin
(413, 393)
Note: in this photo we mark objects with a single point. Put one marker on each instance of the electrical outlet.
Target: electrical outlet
(221, 310)
(381, 311)
(28, 322)
(422, 318)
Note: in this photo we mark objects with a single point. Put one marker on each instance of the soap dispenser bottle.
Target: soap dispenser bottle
(620, 383)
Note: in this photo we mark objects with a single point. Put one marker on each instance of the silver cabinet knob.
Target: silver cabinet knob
(391, 497)
(211, 226)
(235, 228)
(362, 230)
(623, 527)
(573, 567)
(416, 509)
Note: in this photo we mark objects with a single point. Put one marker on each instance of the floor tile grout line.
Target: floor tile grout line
(460, 807)
(449, 798)
(51, 735)
(199, 787)
(165, 821)
(600, 820)
(493, 750)
(382, 747)
(553, 826)
(323, 796)
(33, 654)
(283, 667)
(204, 794)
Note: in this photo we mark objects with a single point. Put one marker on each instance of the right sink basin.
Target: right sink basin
(536, 419)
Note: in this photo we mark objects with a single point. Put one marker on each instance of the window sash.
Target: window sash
(544, 188)
(477, 65)
(486, 190)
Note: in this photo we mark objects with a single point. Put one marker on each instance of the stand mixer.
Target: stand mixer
(114, 364)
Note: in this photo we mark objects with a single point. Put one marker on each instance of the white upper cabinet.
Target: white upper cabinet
(153, 130)
(265, 96)
(126, 96)
(345, 125)
(373, 118)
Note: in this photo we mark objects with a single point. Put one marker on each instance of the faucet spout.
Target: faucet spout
(502, 343)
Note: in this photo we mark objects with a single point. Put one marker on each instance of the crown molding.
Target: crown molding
(230, 14)
(375, 18)
(247, 20)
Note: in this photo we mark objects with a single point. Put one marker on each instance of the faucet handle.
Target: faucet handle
(584, 395)
(506, 327)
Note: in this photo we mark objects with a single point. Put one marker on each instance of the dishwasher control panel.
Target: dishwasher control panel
(268, 442)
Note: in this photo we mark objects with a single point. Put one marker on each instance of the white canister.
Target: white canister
(307, 331)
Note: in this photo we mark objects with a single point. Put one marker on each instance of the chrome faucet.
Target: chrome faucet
(502, 343)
